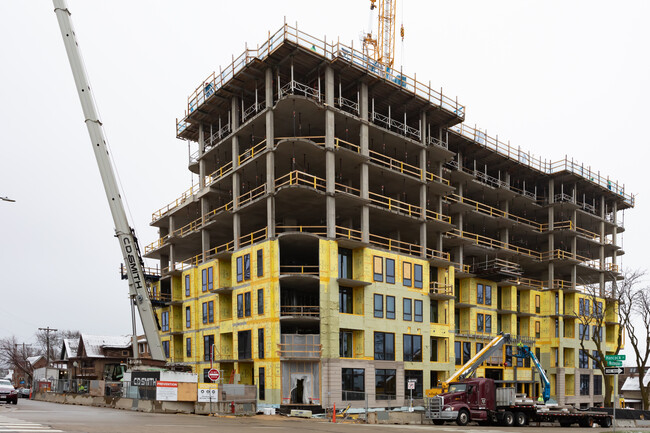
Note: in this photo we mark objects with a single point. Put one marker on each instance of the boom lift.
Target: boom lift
(123, 231)
(525, 352)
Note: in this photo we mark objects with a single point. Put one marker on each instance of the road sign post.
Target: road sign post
(213, 375)
(614, 361)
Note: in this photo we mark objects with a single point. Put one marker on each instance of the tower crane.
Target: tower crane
(382, 48)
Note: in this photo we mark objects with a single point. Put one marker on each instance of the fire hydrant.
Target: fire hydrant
(232, 407)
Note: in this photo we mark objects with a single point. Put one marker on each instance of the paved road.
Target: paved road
(36, 416)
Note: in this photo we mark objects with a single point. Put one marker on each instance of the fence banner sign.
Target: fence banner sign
(145, 378)
(166, 391)
(207, 391)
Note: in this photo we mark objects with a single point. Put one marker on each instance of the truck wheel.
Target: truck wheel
(587, 422)
(463, 417)
(605, 422)
(508, 419)
(521, 419)
(438, 422)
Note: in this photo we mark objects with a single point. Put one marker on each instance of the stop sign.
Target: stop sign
(213, 374)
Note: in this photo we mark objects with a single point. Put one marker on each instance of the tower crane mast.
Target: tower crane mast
(382, 48)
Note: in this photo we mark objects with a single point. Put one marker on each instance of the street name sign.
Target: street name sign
(615, 370)
(615, 363)
(614, 357)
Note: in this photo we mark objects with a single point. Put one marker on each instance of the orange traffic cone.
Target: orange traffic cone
(334, 414)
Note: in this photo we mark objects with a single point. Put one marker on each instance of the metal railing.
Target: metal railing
(300, 310)
(300, 269)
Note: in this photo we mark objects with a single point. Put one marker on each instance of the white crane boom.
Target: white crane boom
(123, 231)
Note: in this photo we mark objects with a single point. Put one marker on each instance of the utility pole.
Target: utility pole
(47, 339)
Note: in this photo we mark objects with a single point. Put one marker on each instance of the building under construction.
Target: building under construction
(349, 235)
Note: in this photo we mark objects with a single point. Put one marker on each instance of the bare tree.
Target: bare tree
(601, 307)
(56, 341)
(636, 312)
(14, 355)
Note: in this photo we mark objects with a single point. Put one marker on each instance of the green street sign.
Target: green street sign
(614, 357)
(615, 363)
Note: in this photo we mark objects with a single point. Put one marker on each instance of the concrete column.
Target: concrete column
(601, 249)
(172, 247)
(505, 206)
(364, 142)
(614, 230)
(458, 251)
(201, 152)
(270, 155)
(236, 223)
(423, 187)
(205, 235)
(330, 162)
(550, 237)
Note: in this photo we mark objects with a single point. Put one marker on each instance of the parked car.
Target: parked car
(7, 392)
(24, 392)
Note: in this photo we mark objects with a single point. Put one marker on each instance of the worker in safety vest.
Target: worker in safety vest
(540, 400)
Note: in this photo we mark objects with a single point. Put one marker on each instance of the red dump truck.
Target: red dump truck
(481, 401)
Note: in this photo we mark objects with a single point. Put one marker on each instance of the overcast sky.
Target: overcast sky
(554, 77)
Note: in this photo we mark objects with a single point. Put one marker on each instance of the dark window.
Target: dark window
(345, 344)
(353, 383)
(260, 301)
(479, 347)
(204, 280)
(479, 293)
(406, 273)
(204, 307)
(240, 305)
(557, 328)
(584, 384)
(210, 278)
(434, 351)
(187, 285)
(557, 303)
(488, 295)
(188, 317)
(390, 307)
(479, 323)
(345, 263)
(488, 324)
(416, 375)
(413, 348)
(581, 306)
(417, 313)
(433, 311)
(537, 304)
(583, 359)
(345, 300)
(379, 305)
(260, 263)
(244, 350)
(247, 267)
(418, 276)
(188, 347)
(408, 314)
(433, 378)
(247, 304)
(596, 356)
(385, 385)
(165, 321)
(390, 271)
(587, 308)
(211, 312)
(467, 352)
(165, 345)
(458, 353)
(208, 342)
(599, 313)
(508, 356)
(598, 385)
(537, 330)
(206, 378)
(377, 268)
(262, 383)
(240, 269)
(384, 346)
(260, 343)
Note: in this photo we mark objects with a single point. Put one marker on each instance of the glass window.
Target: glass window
(204, 280)
(385, 384)
(596, 356)
(390, 271)
(247, 267)
(208, 342)
(240, 269)
(345, 263)
(240, 305)
(345, 344)
(260, 301)
(378, 268)
(188, 317)
(260, 262)
(204, 307)
(165, 321)
(479, 323)
(537, 330)
(244, 345)
(583, 359)
(433, 311)
(479, 347)
(537, 304)
(390, 307)
(581, 306)
(418, 276)
(260, 343)
(598, 385)
(458, 354)
(187, 285)
(262, 384)
(584, 384)
(384, 346)
(557, 328)
(412, 348)
(488, 323)
(406, 274)
(408, 314)
(210, 278)
(206, 378)
(467, 352)
(413, 375)
(434, 351)
(417, 313)
(557, 303)
(488, 295)
(345, 300)
(479, 293)
(587, 308)
(165, 345)
(353, 383)
(247, 304)
(188, 347)
(379, 305)
(211, 312)
(508, 362)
